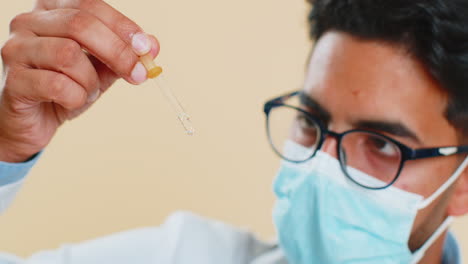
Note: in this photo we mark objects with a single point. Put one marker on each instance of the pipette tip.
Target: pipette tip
(184, 119)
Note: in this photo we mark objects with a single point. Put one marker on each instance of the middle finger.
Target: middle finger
(60, 55)
(123, 26)
(93, 35)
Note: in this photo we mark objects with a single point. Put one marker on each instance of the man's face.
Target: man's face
(358, 82)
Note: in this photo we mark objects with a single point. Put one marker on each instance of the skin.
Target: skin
(49, 79)
(358, 80)
(59, 58)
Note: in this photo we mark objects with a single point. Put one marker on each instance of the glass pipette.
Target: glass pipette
(154, 73)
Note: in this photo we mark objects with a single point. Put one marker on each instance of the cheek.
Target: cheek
(425, 176)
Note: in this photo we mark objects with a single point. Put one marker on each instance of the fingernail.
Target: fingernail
(94, 96)
(141, 44)
(139, 73)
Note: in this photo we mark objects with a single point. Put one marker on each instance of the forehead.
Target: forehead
(367, 80)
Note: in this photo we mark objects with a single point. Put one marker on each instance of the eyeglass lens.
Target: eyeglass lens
(369, 159)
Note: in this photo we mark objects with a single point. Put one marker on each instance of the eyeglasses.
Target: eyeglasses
(377, 155)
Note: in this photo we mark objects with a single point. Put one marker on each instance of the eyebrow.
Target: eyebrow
(311, 103)
(394, 128)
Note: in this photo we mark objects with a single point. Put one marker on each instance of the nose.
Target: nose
(329, 146)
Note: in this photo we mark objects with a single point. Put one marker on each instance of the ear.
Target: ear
(458, 204)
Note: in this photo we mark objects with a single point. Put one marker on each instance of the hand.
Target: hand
(59, 59)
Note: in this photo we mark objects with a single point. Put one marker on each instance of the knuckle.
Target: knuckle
(10, 49)
(59, 90)
(7, 50)
(125, 57)
(68, 53)
(19, 21)
(126, 27)
(56, 85)
(85, 3)
(78, 21)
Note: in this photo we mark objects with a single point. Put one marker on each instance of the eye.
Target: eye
(305, 122)
(306, 131)
(381, 146)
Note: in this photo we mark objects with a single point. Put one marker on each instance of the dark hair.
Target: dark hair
(433, 31)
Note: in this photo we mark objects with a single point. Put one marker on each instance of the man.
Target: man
(373, 146)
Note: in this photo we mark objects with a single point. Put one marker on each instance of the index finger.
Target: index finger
(121, 25)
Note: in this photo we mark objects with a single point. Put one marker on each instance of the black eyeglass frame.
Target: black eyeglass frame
(407, 153)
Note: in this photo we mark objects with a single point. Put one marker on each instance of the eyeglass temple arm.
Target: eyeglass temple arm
(435, 152)
(279, 100)
(285, 97)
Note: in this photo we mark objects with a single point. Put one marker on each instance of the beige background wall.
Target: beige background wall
(126, 163)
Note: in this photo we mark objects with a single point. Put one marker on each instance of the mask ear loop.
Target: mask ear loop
(419, 254)
(421, 251)
(445, 186)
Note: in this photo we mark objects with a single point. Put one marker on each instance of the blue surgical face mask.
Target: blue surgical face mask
(324, 218)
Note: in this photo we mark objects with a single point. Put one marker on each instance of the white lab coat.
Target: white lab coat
(183, 238)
